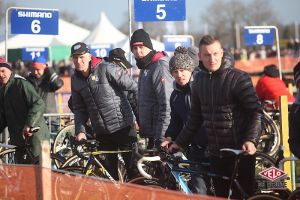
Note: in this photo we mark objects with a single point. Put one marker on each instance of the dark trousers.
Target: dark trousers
(225, 166)
(198, 183)
(119, 140)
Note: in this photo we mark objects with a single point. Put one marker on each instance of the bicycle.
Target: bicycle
(87, 160)
(179, 169)
(7, 155)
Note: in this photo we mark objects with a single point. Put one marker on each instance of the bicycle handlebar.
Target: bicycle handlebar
(140, 165)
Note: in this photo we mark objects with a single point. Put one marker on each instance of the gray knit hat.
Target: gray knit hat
(181, 60)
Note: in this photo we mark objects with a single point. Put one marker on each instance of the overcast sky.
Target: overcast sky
(89, 10)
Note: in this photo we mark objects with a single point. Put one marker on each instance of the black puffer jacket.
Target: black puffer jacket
(226, 103)
(101, 98)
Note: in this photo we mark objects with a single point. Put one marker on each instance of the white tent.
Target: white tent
(104, 33)
(68, 35)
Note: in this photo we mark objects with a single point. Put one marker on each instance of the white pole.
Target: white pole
(237, 36)
(296, 31)
(6, 31)
(129, 35)
(277, 43)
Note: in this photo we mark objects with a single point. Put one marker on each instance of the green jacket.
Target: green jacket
(20, 105)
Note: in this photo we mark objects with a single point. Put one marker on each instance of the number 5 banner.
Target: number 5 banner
(159, 10)
(29, 21)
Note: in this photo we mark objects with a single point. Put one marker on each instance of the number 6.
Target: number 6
(35, 26)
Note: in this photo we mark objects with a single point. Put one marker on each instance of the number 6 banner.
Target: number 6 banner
(29, 21)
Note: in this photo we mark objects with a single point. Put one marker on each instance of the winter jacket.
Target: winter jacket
(294, 129)
(155, 87)
(101, 98)
(270, 88)
(21, 105)
(226, 104)
(180, 102)
(46, 87)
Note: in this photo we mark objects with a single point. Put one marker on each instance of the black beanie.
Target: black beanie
(271, 70)
(140, 38)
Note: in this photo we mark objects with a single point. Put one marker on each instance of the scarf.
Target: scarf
(143, 62)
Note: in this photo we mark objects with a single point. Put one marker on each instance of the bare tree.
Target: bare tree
(222, 17)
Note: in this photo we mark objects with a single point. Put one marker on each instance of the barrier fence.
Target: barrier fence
(33, 182)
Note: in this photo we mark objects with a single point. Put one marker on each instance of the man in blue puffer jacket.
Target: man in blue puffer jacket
(155, 87)
(98, 94)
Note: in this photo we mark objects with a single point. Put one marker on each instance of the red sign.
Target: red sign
(272, 174)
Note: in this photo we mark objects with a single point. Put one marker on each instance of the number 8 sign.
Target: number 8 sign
(259, 36)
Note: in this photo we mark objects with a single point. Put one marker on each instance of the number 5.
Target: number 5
(161, 13)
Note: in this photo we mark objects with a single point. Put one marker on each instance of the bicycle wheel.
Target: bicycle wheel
(269, 140)
(56, 160)
(8, 156)
(263, 161)
(295, 195)
(154, 183)
(264, 197)
(61, 144)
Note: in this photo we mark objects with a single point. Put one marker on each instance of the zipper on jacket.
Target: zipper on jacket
(213, 109)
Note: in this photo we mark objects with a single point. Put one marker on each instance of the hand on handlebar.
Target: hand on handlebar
(80, 136)
(249, 148)
(166, 142)
(173, 148)
(26, 132)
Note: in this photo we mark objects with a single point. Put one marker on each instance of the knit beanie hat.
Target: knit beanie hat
(140, 38)
(3, 63)
(297, 73)
(181, 60)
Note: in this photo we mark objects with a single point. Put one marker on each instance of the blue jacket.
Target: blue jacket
(180, 102)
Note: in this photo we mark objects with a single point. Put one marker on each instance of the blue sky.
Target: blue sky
(89, 10)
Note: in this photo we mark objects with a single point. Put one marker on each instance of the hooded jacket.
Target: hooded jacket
(226, 104)
(101, 98)
(20, 105)
(155, 87)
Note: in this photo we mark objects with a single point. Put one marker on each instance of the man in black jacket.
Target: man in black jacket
(294, 117)
(224, 101)
(98, 94)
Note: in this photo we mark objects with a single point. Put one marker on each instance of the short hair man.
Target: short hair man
(224, 101)
(98, 94)
(155, 87)
(21, 108)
